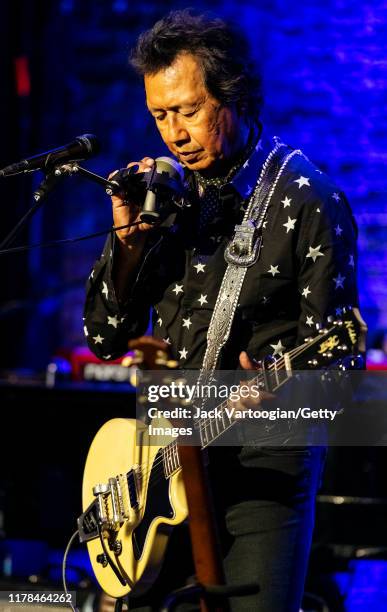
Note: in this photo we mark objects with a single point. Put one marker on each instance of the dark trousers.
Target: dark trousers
(265, 501)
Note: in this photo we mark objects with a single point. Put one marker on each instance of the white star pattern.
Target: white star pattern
(183, 353)
(278, 348)
(303, 180)
(339, 280)
(338, 312)
(106, 356)
(248, 190)
(178, 289)
(264, 225)
(273, 270)
(286, 202)
(91, 274)
(314, 252)
(306, 291)
(199, 267)
(318, 210)
(202, 299)
(113, 321)
(336, 197)
(159, 321)
(290, 224)
(85, 330)
(98, 339)
(309, 321)
(338, 230)
(187, 323)
(351, 261)
(105, 289)
(167, 340)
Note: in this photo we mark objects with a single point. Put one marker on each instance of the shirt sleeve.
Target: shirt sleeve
(108, 324)
(327, 259)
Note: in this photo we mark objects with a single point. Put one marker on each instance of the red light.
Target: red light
(22, 73)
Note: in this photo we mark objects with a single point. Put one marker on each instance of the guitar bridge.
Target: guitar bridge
(105, 513)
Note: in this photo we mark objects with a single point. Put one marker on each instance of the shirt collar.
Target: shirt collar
(246, 178)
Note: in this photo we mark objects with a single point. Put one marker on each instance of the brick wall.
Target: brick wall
(324, 70)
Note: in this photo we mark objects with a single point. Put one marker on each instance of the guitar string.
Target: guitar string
(204, 423)
(172, 446)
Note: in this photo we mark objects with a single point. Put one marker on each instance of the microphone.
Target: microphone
(82, 147)
(166, 176)
(154, 191)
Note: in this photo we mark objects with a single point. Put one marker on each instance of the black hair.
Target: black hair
(223, 52)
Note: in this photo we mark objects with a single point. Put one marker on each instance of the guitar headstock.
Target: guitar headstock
(149, 353)
(336, 343)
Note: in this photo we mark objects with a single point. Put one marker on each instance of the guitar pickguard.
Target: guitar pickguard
(158, 504)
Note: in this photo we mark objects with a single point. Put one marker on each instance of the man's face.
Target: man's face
(197, 129)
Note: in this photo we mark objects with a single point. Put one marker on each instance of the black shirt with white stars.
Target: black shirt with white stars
(306, 270)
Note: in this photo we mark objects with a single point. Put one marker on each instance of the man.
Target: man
(204, 94)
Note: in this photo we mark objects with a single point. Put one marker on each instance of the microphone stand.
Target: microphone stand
(57, 173)
(50, 181)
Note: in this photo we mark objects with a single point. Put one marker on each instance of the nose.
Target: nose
(177, 132)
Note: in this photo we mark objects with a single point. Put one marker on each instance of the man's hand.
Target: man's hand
(244, 403)
(125, 212)
(132, 239)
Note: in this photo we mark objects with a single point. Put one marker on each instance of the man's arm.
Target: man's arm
(116, 306)
(327, 256)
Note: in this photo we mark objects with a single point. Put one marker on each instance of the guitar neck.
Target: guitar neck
(212, 427)
(321, 351)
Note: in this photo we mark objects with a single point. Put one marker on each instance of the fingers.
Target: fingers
(246, 362)
(145, 165)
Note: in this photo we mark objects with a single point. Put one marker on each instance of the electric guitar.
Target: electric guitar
(133, 491)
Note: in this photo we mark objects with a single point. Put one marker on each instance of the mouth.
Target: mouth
(189, 156)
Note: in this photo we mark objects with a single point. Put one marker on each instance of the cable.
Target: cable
(43, 245)
(64, 563)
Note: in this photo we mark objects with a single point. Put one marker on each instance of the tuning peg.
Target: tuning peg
(161, 358)
(172, 364)
(133, 359)
(313, 362)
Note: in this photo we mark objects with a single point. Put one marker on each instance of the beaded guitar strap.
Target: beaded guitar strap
(242, 252)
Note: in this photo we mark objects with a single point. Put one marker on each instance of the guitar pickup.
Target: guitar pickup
(133, 487)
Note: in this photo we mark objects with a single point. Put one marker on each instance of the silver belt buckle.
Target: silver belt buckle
(244, 248)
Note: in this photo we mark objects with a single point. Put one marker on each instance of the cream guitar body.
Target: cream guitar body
(140, 495)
